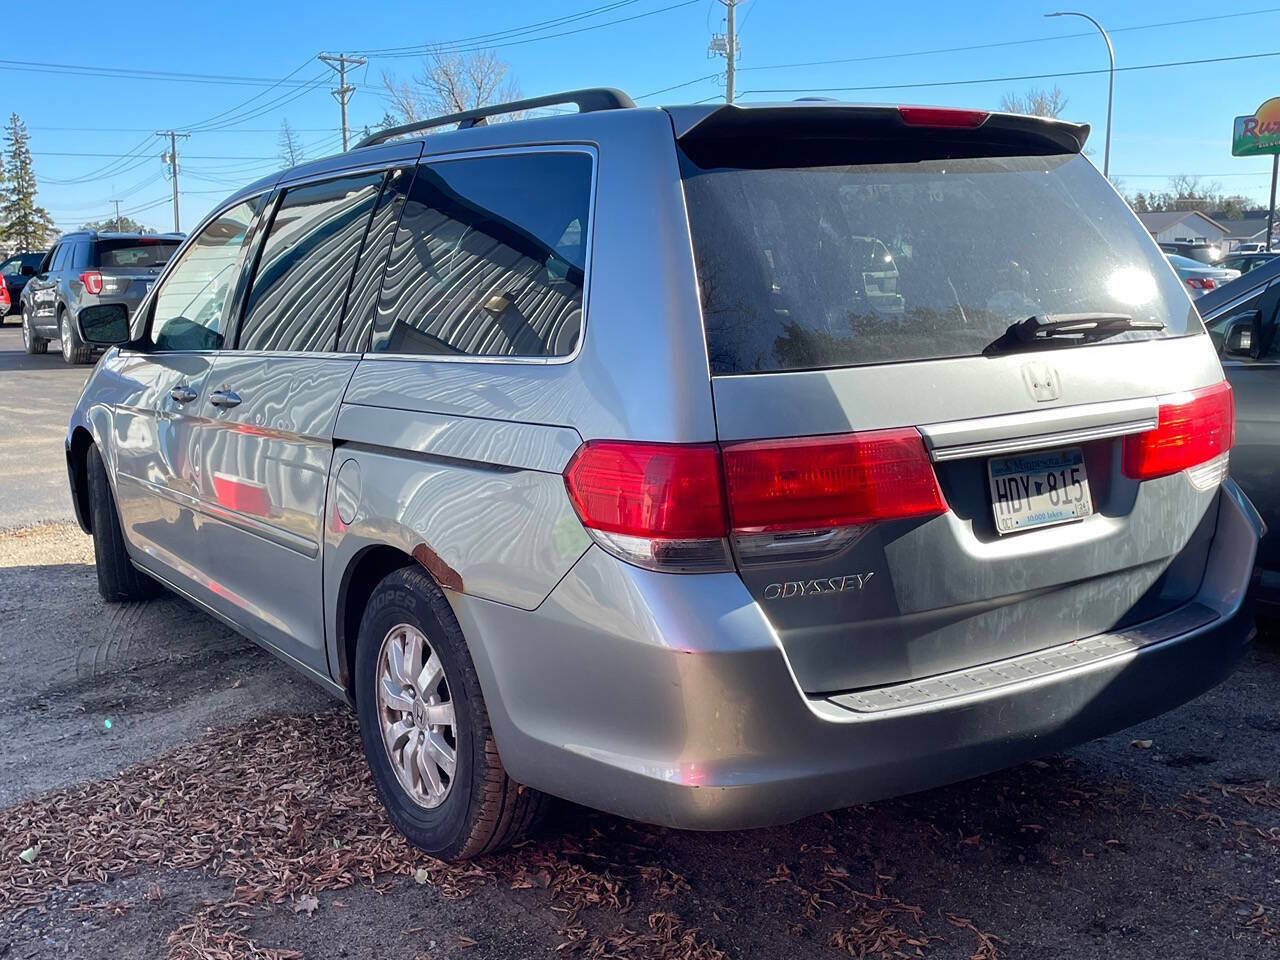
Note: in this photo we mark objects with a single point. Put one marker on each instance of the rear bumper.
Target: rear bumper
(668, 698)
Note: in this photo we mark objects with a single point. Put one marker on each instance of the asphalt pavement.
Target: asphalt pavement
(169, 790)
(36, 397)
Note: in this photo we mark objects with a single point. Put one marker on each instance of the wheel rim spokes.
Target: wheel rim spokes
(416, 715)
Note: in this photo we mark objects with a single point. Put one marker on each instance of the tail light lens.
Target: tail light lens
(674, 506)
(1201, 283)
(659, 505)
(1193, 428)
(92, 281)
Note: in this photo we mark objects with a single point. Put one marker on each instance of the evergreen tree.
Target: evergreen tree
(23, 224)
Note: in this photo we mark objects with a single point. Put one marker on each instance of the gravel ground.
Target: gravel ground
(226, 794)
(192, 798)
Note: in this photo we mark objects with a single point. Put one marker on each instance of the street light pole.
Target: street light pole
(1111, 82)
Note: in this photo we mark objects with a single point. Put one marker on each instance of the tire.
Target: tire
(73, 351)
(31, 343)
(118, 579)
(482, 809)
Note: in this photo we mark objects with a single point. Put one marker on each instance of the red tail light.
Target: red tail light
(92, 281)
(4, 296)
(673, 506)
(942, 117)
(1201, 283)
(816, 483)
(653, 490)
(1192, 428)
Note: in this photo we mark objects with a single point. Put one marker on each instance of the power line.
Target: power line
(1004, 43)
(677, 86)
(503, 34)
(1029, 76)
(126, 73)
(548, 36)
(172, 158)
(71, 153)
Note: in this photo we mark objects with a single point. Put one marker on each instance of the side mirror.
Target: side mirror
(27, 270)
(105, 325)
(1243, 337)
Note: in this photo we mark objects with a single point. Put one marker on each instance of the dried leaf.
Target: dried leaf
(308, 905)
(29, 855)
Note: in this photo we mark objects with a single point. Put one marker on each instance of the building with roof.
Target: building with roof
(1170, 225)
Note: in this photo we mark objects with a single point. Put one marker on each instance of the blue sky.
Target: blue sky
(1167, 121)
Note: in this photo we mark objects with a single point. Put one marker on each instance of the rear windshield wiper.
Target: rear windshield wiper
(1066, 329)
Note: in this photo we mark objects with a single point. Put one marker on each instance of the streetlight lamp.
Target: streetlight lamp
(1111, 82)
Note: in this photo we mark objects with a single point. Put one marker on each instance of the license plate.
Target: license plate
(147, 289)
(1038, 489)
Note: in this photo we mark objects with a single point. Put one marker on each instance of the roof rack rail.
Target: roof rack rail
(588, 101)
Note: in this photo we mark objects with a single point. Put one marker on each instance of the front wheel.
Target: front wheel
(118, 578)
(425, 729)
(73, 351)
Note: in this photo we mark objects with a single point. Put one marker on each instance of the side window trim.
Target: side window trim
(589, 150)
(257, 241)
(144, 332)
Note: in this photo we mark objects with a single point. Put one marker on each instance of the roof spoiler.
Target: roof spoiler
(587, 101)
(825, 119)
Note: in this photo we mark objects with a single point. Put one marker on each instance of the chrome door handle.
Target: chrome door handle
(224, 398)
(182, 394)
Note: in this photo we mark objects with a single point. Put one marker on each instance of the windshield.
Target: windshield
(135, 253)
(809, 267)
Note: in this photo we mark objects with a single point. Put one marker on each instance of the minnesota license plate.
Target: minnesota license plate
(1038, 489)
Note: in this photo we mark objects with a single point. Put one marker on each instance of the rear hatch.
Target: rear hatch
(956, 387)
(128, 266)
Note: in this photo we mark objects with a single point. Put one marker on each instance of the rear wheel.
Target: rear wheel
(30, 342)
(118, 578)
(73, 351)
(425, 728)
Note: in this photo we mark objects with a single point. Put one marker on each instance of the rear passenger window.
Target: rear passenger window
(490, 259)
(305, 267)
(362, 301)
(60, 256)
(80, 256)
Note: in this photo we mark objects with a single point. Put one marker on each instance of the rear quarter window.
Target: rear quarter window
(822, 266)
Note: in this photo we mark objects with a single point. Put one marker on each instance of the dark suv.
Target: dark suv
(88, 268)
(14, 273)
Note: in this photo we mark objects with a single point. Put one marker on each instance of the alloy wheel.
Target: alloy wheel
(416, 715)
(26, 332)
(64, 334)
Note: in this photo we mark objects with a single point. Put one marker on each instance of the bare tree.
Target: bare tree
(1036, 102)
(290, 145)
(451, 82)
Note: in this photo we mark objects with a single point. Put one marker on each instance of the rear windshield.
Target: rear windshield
(135, 253)
(824, 266)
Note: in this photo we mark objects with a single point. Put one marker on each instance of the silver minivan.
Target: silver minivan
(587, 456)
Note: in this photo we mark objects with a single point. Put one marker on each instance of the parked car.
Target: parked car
(1242, 320)
(88, 268)
(1199, 279)
(1199, 250)
(1249, 248)
(573, 451)
(15, 271)
(1244, 262)
(4, 300)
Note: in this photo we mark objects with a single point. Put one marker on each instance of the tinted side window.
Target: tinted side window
(306, 264)
(490, 258)
(362, 301)
(188, 311)
(80, 256)
(60, 256)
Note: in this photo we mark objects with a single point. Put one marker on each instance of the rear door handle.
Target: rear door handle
(224, 398)
(182, 393)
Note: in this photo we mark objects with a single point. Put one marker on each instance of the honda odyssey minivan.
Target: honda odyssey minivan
(587, 456)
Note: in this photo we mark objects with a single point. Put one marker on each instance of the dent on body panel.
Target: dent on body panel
(502, 534)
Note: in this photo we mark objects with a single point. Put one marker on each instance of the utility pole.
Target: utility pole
(170, 157)
(117, 203)
(726, 45)
(340, 62)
